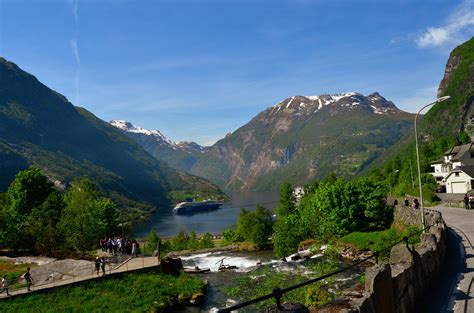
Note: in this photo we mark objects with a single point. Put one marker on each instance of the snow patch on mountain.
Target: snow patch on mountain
(129, 127)
(308, 105)
(188, 146)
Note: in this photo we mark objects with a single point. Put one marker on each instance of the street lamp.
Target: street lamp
(418, 157)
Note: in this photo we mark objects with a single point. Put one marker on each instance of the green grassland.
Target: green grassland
(129, 293)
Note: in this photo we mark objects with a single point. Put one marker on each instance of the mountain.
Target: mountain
(304, 138)
(458, 83)
(40, 127)
(179, 155)
(446, 124)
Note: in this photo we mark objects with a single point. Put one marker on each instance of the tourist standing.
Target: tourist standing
(102, 265)
(4, 285)
(28, 279)
(97, 265)
(134, 248)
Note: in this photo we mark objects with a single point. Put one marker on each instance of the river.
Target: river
(214, 222)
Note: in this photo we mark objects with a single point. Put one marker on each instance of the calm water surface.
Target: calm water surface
(213, 222)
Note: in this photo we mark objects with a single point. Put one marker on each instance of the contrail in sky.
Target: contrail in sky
(74, 4)
(75, 53)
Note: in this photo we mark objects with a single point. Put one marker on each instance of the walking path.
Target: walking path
(456, 291)
(85, 273)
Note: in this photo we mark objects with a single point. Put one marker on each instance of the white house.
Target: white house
(457, 156)
(460, 179)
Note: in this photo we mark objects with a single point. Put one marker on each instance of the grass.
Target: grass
(14, 271)
(380, 241)
(129, 293)
(263, 280)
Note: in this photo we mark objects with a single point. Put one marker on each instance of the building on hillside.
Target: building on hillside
(455, 170)
(460, 179)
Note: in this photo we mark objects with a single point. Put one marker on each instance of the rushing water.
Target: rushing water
(214, 222)
(246, 263)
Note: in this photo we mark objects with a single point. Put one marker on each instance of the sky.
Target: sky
(199, 69)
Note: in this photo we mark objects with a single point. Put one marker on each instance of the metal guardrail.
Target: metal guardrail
(278, 293)
(79, 273)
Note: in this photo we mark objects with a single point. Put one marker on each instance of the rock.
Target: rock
(171, 266)
(197, 299)
(401, 254)
(379, 278)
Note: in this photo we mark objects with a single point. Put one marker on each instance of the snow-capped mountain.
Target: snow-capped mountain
(308, 105)
(188, 146)
(303, 138)
(180, 155)
(299, 139)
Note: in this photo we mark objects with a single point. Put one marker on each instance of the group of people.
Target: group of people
(27, 277)
(415, 205)
(469, 202)
(117, 245)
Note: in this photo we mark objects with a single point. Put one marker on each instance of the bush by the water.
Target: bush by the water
(331, 209)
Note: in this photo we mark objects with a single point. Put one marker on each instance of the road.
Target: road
(455, 293)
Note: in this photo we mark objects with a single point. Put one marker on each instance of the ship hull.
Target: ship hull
(195, 208)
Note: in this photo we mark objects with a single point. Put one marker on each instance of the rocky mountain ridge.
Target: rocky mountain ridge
(299, 139)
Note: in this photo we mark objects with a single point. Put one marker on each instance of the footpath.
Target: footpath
(455, 293)
(55, 278)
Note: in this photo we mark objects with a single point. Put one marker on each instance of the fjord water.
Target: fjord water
(168, 224)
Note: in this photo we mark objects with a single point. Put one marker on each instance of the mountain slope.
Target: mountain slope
(303, 138)
(179, 155)
(40, 127)
(440, 129)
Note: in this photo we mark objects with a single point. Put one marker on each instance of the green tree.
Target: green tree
(287, 203)
(230, 235)
(81, 219)
(206, 241)
(42, 224)
(287, 235)
(108, 215)
(255, 227)
(28, 190)
(464, 137)
(26, 193)
(192, 242)
(152, 242)
(179, 242)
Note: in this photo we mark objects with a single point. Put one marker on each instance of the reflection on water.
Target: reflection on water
(167, 224)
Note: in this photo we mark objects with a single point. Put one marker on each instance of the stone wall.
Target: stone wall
(400, 284)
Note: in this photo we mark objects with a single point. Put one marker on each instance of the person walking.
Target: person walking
(4, 285)
(466, 201)
(102, 265)
(97, 265)
(471, 202)
(28, 279)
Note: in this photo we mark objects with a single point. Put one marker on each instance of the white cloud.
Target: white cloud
(458, 27)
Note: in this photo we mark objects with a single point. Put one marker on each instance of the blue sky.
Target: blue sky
(197, 70)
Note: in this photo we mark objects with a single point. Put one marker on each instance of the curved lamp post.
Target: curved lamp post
(418, 156)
